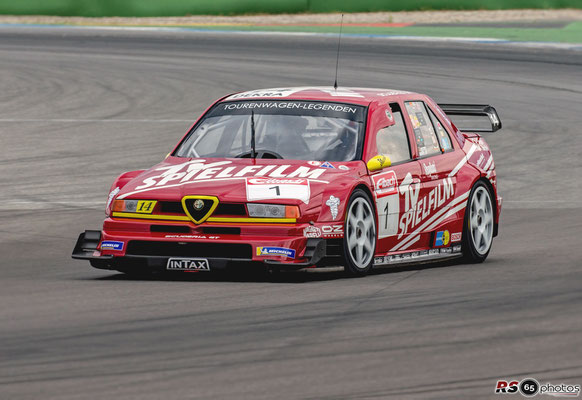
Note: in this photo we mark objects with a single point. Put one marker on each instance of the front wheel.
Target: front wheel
(478, 225)
(359, 241)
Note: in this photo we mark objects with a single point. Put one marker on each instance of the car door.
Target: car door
(396, 185)
(437, 159)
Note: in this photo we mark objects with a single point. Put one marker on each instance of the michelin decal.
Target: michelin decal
(333, 204)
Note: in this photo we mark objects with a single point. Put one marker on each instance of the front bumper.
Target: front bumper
(154, 251)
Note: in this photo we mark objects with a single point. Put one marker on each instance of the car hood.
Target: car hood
(241, 180)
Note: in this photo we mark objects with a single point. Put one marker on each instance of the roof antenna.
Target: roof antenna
(339, 39)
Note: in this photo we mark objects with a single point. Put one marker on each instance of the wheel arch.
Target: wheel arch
(367, 190)
(491, 189)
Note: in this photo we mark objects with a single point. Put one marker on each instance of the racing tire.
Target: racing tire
(478, 225)
(359, 242)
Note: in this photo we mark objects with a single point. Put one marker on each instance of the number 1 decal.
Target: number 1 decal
(260, 188)
(388, 208)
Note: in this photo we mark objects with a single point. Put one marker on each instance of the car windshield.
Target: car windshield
(299, 130)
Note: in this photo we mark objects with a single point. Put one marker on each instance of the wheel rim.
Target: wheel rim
(361, 233)
(481, 220)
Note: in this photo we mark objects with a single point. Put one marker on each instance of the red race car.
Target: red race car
(308, 176)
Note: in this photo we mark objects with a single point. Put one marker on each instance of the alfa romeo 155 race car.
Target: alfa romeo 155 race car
(308, 176)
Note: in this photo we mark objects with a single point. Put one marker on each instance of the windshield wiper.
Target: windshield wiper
(253, 151)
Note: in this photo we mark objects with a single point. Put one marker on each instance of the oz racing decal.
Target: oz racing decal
(272, 189)
(325, 231)
(275, 251)
(332, 231)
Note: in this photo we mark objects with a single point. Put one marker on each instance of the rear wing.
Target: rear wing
(466, 111)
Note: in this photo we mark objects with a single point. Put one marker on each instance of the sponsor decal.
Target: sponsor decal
(430, 169)
(442, 238)
(446, 143)
(413, 256)
(291, 105)
(311, 232)
(188, 264)
(417, 210)
(325, 231)
(275, 251)
(314, 163)
(530, 387)
(344, 167)
(388, 115)
(195, 170)
(332, 231)
(112, 196)
(327, 165)
(333, 203)
(285, 92)
(277, 188)
(456, 237)
(192, 237)
(274, 92)
(385, 184)
(111, 245)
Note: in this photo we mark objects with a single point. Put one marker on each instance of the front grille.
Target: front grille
(230, 209)
(184, 249)
(218, 230)
(175, 207)
(170, 228)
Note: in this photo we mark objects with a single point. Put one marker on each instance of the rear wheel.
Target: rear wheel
(478, 225)
(359, 241)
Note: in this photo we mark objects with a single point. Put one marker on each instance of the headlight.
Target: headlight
(272, 211)
(110, 199)
(135, 206)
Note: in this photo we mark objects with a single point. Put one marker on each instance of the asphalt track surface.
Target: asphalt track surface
(77, 107)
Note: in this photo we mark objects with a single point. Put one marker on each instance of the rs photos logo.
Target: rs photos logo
(530, 387)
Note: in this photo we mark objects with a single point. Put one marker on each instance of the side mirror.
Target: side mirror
(378, 162)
